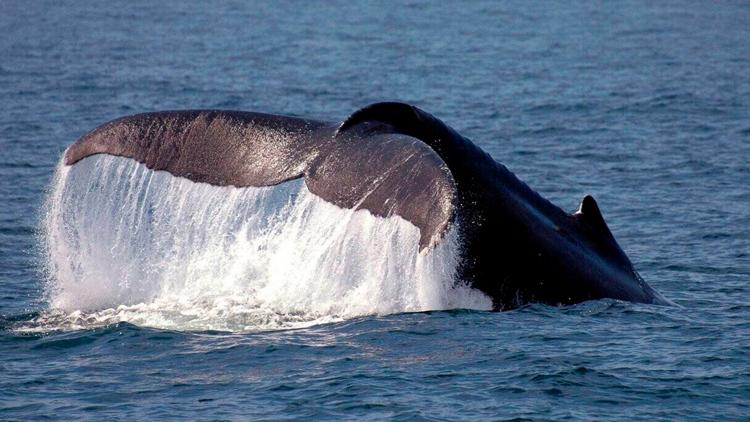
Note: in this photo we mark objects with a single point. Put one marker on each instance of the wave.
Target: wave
(125, 243)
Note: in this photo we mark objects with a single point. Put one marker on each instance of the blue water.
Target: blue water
(645, 105)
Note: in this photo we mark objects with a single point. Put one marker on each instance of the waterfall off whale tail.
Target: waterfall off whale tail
(237, 220)
(129, 243)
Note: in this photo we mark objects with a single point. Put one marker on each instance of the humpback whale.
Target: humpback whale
(394, 159)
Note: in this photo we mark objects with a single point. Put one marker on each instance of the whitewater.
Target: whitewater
(123, 243)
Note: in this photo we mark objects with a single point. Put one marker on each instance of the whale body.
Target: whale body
(394, 159)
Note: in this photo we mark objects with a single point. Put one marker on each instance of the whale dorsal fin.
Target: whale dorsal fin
(590, 214)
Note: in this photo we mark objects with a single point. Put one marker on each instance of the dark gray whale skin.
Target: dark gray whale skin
(395, 159)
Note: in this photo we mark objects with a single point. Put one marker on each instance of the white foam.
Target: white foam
(125, 243)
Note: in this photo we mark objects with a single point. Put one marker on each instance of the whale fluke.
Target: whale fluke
(394, 159)
(386, 174)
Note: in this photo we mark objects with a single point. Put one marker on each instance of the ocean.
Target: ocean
(644, 105)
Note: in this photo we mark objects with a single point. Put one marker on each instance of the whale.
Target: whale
(395, 160)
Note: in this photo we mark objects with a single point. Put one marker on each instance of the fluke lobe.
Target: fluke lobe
(394, 159)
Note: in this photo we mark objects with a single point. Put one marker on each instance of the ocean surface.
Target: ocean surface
(645, 105)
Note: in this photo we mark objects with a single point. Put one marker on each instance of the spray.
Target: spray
(125, 243)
